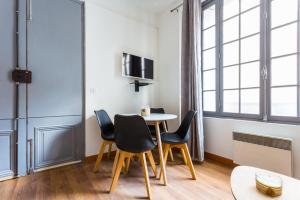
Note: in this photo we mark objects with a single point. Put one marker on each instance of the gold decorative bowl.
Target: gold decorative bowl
(268, 184)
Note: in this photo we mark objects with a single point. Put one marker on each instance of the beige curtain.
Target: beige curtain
(191, 83)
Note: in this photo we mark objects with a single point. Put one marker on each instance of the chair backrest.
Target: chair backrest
(132, 134)
(160, 111)
(105, 123)
(185, 124)
(157, 110)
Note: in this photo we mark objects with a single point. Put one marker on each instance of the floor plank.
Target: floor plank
(78, 182)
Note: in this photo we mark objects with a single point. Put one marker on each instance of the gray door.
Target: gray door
(54, 99)
(7, 88)
(41, 124)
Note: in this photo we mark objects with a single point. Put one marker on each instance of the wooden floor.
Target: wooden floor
(79, 182)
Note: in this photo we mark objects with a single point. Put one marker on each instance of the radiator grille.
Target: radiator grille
(274, 142)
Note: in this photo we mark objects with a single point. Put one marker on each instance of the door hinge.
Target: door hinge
(15, 123)
(29, 10)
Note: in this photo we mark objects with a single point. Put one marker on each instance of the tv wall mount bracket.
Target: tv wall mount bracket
(138, 84)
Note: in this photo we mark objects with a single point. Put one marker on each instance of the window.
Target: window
(209, 58)
(241, 57)
(251, 58)
(283, 80)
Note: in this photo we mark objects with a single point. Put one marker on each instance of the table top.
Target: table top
(159, 117)
(243, 185)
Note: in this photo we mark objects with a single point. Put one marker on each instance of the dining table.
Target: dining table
(156, 119)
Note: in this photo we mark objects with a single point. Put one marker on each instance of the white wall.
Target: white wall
(218, 131)
(169, 59)
(110, 30)
(218, 136)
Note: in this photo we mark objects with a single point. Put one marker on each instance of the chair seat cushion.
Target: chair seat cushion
(110, 136)
(172, 138)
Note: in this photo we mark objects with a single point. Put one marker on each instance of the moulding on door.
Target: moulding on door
(67, 133)
(9, 172)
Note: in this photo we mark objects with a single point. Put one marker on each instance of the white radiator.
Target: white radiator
(264, 152)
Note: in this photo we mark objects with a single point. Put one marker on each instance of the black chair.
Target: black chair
(161, 126)
(133, 138)
(107, 134)
(179, 140)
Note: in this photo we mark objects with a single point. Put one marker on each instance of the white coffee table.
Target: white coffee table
(243, 185)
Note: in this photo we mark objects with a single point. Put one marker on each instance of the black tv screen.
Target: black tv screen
(137, 67)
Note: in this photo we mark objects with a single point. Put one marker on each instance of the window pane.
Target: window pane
(231, 54)
(250, 22)
(209, 59)
(209, 37)
(209, 101)
(284, 71)
(284, 40)
(283, 11)
(231, 101)
(250, 101)
(209, 80)
(250, 49)
(209, 17)
(231, 8)
(250, 75)
(284, 101)
(246, 4)
(231, 29)
(231, 77)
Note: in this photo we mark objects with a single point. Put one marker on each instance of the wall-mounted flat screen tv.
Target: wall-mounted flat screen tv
(137, 67)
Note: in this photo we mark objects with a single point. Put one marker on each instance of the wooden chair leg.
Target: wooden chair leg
(117, 172)
(152, 162)
(171, 155)
(166, 152)
(189, 161)
(115, 162)
(100, 155)
(127, 164)
(170, 151)
(145, 170)
(109, 151)
(183, 156)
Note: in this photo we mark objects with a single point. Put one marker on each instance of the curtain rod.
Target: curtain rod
(176, 8)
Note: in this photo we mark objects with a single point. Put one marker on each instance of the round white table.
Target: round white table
(243, 185)
(159, 117)
(155, 119)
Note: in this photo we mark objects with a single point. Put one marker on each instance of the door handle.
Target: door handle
(29, 10)
(29, 162)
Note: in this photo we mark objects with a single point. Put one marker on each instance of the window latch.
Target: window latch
(264, 73)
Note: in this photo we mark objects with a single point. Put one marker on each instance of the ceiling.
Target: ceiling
(154, 6)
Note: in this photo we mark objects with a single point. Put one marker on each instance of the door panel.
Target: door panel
(55, 97)
(7, 147)
(56, 140)
(55, 57)
(7, 88)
